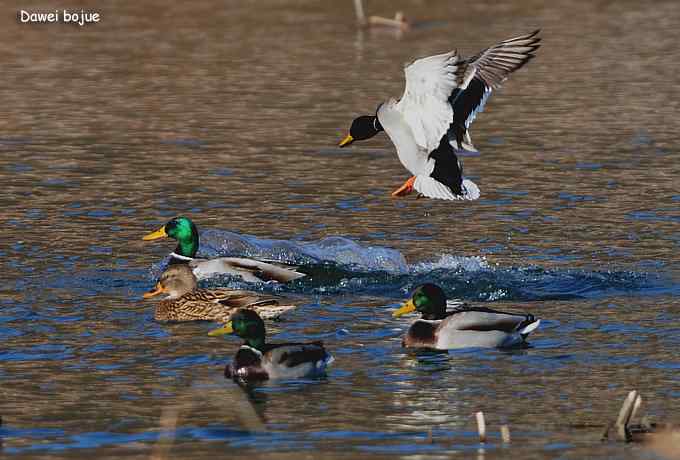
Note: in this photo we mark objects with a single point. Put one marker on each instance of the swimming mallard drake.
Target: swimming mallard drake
(258, 360)
(462, 326)
(430, 122)
(185, 232)
(184, 302)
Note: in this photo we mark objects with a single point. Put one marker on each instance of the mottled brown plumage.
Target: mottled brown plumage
(184, 302)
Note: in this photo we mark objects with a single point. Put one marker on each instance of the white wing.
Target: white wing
(425, 105)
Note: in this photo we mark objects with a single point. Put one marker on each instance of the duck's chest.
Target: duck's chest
(421, 334)
(411, 155)
(247, 365)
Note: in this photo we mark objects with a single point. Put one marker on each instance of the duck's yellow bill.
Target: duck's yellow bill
(157, 290)
(346, 141)
(408, 307)
(160, 233)
(224, 330)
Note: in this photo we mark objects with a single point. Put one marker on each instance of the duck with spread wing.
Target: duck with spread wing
(430, 122)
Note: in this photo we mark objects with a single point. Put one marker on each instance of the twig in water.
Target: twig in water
(481, 426)
(399, 21)
(636, 406)
(624, 416)
(505, 434)
(359, 10)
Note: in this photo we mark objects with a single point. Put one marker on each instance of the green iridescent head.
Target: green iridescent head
(248, 325)
(181, 229)
(428, 299)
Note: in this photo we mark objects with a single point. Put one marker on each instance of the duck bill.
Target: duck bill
(153, 293)
(408, 307)
(224, 330)
(160, 233)
(346, 141)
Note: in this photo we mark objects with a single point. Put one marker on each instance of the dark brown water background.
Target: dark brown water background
(229, 112)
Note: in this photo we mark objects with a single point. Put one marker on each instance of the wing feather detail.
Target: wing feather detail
(487, 70)
(424, 104)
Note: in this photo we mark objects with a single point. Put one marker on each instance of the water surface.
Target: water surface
(228, 112)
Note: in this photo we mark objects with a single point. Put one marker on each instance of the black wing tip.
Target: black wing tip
(534, 45)
(530, 35)
(533, 34)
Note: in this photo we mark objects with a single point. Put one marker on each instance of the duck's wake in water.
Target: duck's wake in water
(337, 265)
(338, 250)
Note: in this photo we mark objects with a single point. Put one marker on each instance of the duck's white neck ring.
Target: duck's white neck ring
(254, 350)
(180, 257)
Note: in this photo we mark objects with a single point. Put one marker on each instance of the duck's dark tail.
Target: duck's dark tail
(529, 327)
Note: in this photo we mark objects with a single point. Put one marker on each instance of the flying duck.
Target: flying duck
(185, 232)
(461, 326)
(430, 122)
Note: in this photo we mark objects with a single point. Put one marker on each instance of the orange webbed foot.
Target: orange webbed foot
(406, 188)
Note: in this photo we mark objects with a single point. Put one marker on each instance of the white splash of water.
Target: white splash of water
(453, 263)
(336, 249)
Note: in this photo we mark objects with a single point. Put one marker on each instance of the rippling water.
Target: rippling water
(228, 112)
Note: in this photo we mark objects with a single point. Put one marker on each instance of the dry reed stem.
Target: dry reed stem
(481, 426)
